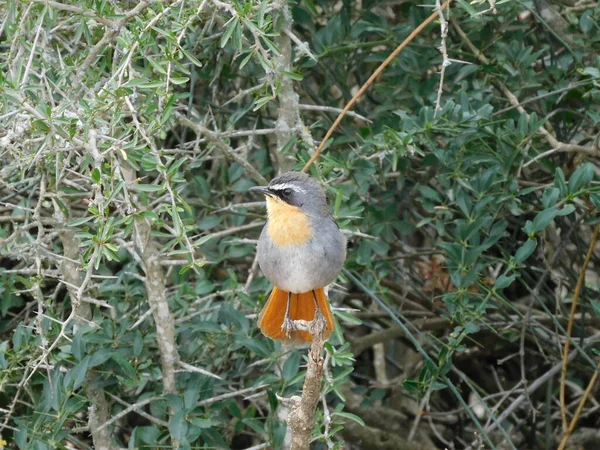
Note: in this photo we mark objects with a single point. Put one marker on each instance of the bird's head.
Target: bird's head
(293, 191)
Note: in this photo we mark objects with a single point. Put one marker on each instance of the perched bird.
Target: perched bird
(300, 250)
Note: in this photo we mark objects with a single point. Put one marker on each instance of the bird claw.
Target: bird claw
(319, 323)
(287, 326)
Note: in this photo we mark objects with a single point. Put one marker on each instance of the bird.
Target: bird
(300, 251)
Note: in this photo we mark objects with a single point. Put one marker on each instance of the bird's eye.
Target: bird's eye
(286, 192)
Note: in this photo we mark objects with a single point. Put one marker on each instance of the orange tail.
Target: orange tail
(302, 307)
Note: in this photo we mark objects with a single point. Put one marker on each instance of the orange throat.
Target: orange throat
(287, 225)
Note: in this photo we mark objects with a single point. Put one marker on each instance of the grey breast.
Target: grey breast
(302, 268)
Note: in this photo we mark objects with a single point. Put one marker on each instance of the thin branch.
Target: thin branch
(334, 110)
(301, 419)
(577, 414)
(443, 51)
(189, 368)
(575, 300)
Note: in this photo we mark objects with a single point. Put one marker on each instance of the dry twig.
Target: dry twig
(576, 294)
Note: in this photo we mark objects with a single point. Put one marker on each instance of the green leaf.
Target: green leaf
(525, 250)
(78, 346)
(543, 219)
(230, 28)
(192, 392)
(581, 177)
(293, 75)
(77, 222)
(569, 209)
(348, 317)
(96, 175)
(191, 57)
(350, 416)
(560, 182)
(178, 426)
(115, 192)
(504, 281)
(291, 366)
(124, 364)
(586, 22)
(100, 356)
(468, 8)
(550, 197)
(147, 187)
(76, 376)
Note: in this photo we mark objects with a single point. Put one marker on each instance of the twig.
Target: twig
(443, 51)
(576, 294)
(301, 419)
(151, 418)
(586, 395)
(190, 368)
(333, 109)
(566, 148)
(127, 410)
(369, 82)
(217, 398)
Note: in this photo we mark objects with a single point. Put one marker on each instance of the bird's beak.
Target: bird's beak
(261, 189)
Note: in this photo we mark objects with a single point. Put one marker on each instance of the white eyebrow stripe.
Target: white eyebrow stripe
(282, 186)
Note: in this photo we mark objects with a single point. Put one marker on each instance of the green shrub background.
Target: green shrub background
(130, 133)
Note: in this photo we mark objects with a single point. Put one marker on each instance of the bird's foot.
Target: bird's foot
(287, 326)
(319, 323)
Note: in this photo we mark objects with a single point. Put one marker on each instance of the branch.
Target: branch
(98, 412)
(288, 113)
(576, 294)
(157, 299)
(301, 419)
(443, 51)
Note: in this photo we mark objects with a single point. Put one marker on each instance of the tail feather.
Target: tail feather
(302, 307)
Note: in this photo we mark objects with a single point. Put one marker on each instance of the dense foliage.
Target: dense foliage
(130, 133)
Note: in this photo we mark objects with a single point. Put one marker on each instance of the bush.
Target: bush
(129, 287)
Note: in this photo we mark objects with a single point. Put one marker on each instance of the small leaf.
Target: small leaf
(544, 218)
(146, 187)
(504, 281)
(525, 250)
(191, 57)
(76, 223)
(229, 31)
(348, 318)
(178, 426)
(581, 177)
(96, 175)
(350, 416)
(124, 364)
(291, 366)
(566, 210)
(550, 197)
(293, 75)
(560, 182)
